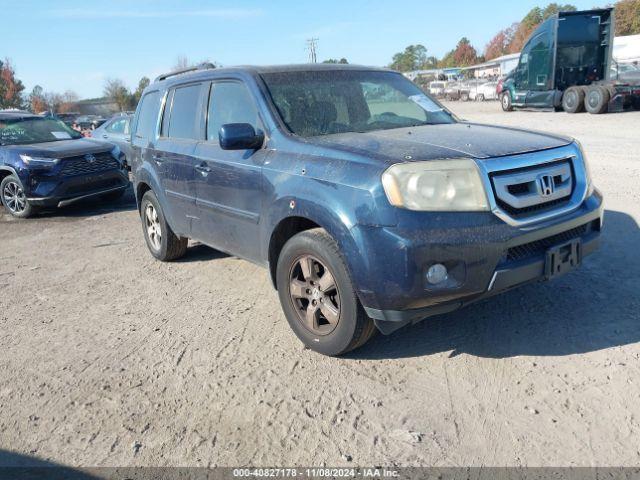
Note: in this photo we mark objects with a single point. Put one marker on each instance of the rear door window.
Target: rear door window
(185, 117)
(148, 116)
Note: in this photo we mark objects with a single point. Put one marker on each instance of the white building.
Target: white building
(626, 49)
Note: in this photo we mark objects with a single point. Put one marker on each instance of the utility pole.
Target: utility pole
(312, 45)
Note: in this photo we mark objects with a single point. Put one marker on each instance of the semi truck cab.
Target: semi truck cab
(565, 65)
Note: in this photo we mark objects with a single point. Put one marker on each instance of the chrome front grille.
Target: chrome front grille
(87, 164)
(532, 187)
(529, 190)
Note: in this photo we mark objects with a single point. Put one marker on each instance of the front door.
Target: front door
(229, 182)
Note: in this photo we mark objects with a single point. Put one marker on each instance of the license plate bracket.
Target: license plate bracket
(563, 258)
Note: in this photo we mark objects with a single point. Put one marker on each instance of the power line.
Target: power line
(312, 47)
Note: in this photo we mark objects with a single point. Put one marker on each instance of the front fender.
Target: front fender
(330, 214)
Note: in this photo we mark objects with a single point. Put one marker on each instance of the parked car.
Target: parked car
(44, 163)
(437, 88)
(369, 211)
(625, 72)
(457, 91)
(484, 91)
(116, 130)
(68, 118)
(89, 122)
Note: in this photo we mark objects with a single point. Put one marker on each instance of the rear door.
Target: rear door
(229, 182)
(145, 129)
(181, 129)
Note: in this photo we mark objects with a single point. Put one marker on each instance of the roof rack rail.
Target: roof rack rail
(202, 66)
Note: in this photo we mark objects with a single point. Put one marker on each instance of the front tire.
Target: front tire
(505, 101)
(317, 296)
(161, 241)
(14, 199)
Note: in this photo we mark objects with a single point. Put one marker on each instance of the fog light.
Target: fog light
(437, 274)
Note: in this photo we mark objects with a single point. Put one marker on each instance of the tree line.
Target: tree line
(508, 40)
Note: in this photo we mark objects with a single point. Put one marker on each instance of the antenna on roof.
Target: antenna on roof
(202, 66)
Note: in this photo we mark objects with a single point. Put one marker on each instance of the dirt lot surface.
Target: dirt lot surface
(109, 357)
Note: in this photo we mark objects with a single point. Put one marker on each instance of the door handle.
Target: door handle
(105, 136)
(203, 169)
(157, 158)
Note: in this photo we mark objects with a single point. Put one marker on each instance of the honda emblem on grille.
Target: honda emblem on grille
(90, 158)
(546, 185)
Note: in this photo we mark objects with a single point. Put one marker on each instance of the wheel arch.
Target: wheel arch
(5, 171)
(305, 216)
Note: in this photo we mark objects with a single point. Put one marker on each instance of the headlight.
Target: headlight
(39, 161)
(587, 170)
(436, 185)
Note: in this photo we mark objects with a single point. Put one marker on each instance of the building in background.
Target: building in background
(626, 49)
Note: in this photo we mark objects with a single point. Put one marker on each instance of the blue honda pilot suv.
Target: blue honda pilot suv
(44, 163)
(371, 205)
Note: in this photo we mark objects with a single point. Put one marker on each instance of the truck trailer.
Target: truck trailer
(566, 65)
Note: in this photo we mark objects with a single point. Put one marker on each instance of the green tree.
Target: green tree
(116, 91)
(333, 60)
(37, 102)
(10, 87)
(627, 15)
(142, 84)
(464, 54)
(414, 57)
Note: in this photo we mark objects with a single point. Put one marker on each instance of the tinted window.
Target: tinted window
(148, 116)
(230, 102)
(184, 119)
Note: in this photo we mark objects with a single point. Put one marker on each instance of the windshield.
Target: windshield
(18, 131)
(313, 103)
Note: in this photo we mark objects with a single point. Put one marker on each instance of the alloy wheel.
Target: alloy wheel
(152, 223)
(14, 198)
(314, 294)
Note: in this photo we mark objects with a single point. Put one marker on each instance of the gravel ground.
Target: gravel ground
(109, 358)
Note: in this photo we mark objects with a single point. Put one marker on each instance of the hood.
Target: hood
(432, 142)
(61, 148)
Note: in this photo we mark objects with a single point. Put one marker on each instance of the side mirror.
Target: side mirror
(240, 136)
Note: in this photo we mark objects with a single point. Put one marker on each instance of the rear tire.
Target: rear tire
(312, 279)
(161, 241)
(573, 100)
(597, 99)
(13, 198)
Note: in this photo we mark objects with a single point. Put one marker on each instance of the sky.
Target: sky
(70, 45)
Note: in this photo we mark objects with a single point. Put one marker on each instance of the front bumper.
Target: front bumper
(484, 256)
(48, 191)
